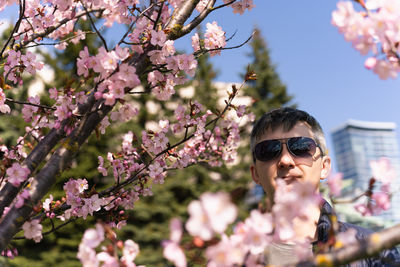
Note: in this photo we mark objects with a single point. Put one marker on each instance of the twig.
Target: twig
(29, 104)
(95, 28)
(16, 27)
(347, 201)
(203, 51)
(224, 5)
(158, 16)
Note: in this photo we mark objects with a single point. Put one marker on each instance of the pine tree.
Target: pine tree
(268, 91)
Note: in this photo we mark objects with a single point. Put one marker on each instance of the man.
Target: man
(289, 144)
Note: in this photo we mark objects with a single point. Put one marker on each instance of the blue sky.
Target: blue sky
(321, 70)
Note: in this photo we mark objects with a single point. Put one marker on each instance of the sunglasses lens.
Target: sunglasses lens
(267, 150)
(302, 146)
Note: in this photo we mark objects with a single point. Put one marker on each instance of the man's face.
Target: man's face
(288, 167)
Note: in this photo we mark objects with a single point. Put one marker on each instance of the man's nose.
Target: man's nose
(285, 159)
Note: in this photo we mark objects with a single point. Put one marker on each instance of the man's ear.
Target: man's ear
(326, 167)
(254, 174)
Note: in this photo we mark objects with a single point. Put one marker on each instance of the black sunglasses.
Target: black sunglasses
(301, 147)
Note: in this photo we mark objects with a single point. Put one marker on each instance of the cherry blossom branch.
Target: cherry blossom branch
(57, 163)
(52, 230)
(53, 28)
(37, 155)
(46, 177)
(59, 42)
(180, 15)
(29, 104)
(224, 5)
(134, 177)
(375, 243)
(93, 113)
(204, 51)
(348, 201)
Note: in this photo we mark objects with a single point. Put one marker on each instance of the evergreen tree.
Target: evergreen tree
(268, 91)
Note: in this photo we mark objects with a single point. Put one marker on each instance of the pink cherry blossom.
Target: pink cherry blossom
(28, 111)
(107, 259)
(84, 63)
(87, 256)
(168, 48)
(241, 6)
(363, 209)
(92, 204)
(214, 38)
(370, 63)
(3, 107)
(175, 3)
(196, 42)
(104, 124)
(240, 111)
(382, 170)
(293, 201)
(372, 31)
(17, 174)
(158, 38)
(21, 198)
(53, 93)
(228, 252)
(47, 203)
(93, 237)
(172, 251)
(211, 214)
(101, 168)
(335, 184)
(130, 251)
(33, 230)
(382, 201)
(385, 69)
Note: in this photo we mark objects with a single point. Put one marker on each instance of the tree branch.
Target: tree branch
(180, 15)
(375, 243)
(29, 104)
(196, 21)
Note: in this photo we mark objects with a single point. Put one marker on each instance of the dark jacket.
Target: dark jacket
(387, 258)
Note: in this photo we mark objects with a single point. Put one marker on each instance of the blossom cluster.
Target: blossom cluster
(372, 30)
(108, 256)
(377, 201)
(213, 213)
(17, 63)
(214, 39)
(383, 174)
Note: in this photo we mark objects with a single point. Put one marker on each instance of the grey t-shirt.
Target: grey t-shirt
(281, 254)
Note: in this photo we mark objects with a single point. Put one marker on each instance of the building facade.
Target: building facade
(356, 143)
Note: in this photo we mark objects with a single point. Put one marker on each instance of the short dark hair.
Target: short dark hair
(286, 118)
